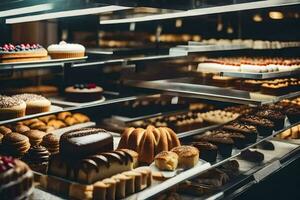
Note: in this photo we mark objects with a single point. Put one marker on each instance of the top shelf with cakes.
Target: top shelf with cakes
(27, 56)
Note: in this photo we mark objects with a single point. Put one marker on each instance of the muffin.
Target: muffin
(188, 156)
(275, 116)
(34, 103)
(37, 158)
(66, 50)
(208, 151)
(293, 114)
(264, 126)
(11, 107)
(166, 160)
(249, 131)
(223, 142)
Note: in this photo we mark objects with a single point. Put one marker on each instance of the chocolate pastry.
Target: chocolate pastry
(238, 138)
(252, 156)
(79, 143)
(37, 158)
(223, 142)
(208, 151)
(275, 116)
(231, 168)
(264, 126)
(249, 131)
(266, 145)
(213, 177)
(293, 114)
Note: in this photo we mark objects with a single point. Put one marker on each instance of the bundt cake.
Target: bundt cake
(148, 142)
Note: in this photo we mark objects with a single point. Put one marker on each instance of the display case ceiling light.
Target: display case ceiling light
(68, 13)
(276, 15)
(26, 10)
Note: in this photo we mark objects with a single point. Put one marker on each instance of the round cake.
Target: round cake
(11, 107)
(34, 103)
(22, 53)
(16, 179)
(66, 50)
(83, 92)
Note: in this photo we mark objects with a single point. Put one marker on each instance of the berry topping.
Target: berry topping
(91, 85)
(6, 163)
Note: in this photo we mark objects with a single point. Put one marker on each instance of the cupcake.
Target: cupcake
(11, 107)
(66, 50)
(264, 126)
(293, 114)
(34, 103)
(37, 158)
(208, 150)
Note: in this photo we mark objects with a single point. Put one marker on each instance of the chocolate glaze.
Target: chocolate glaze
(37, 154)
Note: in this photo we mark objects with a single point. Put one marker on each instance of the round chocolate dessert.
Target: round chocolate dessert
(84, 92)
(16, 179)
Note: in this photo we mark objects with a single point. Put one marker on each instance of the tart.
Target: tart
(66, 50)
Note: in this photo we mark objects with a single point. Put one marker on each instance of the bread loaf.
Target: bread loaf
(148, 142)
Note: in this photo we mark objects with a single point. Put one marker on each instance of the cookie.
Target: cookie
(35, 136)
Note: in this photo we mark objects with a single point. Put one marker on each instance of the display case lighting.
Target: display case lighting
(276, 15)
(26, 10)
(204, 11)
(68, 13)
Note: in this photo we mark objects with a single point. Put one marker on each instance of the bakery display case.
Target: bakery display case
(133, 100)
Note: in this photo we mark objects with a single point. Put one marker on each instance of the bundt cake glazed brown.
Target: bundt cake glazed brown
(148, 142)
(16, 179)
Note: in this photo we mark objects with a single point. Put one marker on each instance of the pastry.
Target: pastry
(275, 116)
(63, 115)
(133, 154)
(29, 121)
(252, 156)
(166, 160)
(37, 158)
(99, 191)
(16, 179)
(85, 141)
(46, 129)
(47, 118)
(57, 124)
(84, 92)
(146, 176)
(264, 126)
(238, 138)
(51, 142)
(71, 121)
(66, 50)
(37, 125)
(21, 128)
(249, 131)
(35, 136)
(91, 168)
(34, 103)
(81, 118)
(208, 150)
(15, 144)
(4, 130)
(213, 178)
(223, 142)
(266, 145)
(80, 191)
(148, 142)
(188, 156)
(293, 114)
(218, 116)
(231, 168)
(11, 107)
(21, 53)
(121, 180)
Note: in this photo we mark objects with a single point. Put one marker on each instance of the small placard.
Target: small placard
(261, 174)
